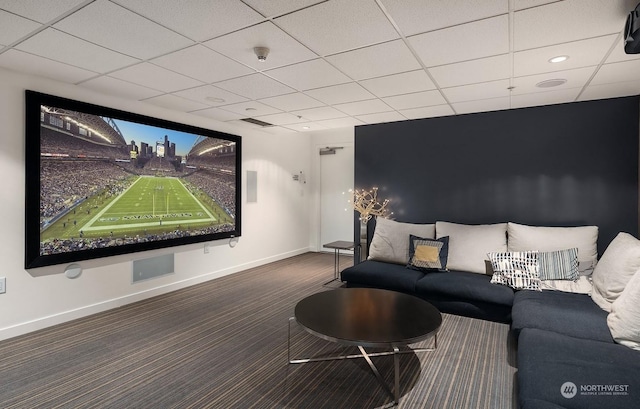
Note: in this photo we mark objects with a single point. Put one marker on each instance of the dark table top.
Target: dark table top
(340, 245)
(368, 317)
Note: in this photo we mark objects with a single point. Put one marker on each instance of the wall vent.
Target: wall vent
(257, 122)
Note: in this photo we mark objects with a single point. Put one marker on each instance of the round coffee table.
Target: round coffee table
(367, 317)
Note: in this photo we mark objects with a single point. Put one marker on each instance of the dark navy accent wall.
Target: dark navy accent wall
(559, 165)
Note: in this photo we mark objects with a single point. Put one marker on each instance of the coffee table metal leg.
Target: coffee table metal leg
(396, 365)
(377, 373)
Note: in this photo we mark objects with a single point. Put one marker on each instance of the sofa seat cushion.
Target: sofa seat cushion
(378, 274)
(466, 286)
(548, 360)
(575, 315)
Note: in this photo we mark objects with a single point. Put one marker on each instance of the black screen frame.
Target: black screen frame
(33, 176)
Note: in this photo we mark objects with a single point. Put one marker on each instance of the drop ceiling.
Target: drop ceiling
(332, 64)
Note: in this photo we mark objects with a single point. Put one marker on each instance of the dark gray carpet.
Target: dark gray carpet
(223, 344)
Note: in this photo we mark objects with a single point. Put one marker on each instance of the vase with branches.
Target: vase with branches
(367, 204)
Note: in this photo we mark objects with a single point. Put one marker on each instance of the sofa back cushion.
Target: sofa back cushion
(620, 261)
(624, 318)
(390, 242)
(542, 238)
(470, 244)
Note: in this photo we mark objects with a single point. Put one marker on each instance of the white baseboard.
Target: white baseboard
(66, 316)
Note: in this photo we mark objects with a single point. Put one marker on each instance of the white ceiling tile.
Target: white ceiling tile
(366, 62)
(272, 8)
(371, 106)
(319, 114)
(396, 84)
(484, 90)
(427, 112)
(26, 63)
(618, 72)
(339, 94)
(381, 117)
(175, 103)
(340, 123)
(415, 100)
(251, 109)
(526, 4)
(14, 27)
(282, 119)
(34, 9)
(255, 86)
(121, 30)
(292, 102)
(575, 79)
(617, 89)
(566, 21)
(278, 130)
(582, 53)
(618, 54)
(152, 76)
(210, 66)
(283, 49)
(544, 98)
(471, 72)
(123, 89)
(309, 74)
(218, 114)
(490, 37)
(198, 19)
(306, 127)
(210, 95)
(419, 16)
(338, 25)
(71, 50)
(484, 105)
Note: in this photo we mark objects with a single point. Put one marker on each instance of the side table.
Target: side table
(337, 246)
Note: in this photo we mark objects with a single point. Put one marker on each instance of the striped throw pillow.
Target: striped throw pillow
(559, 265)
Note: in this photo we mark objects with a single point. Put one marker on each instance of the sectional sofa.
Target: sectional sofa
(576, 318)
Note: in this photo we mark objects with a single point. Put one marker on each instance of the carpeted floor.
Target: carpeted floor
(223, 344)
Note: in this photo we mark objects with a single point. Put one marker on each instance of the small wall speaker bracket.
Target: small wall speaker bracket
(73, 271)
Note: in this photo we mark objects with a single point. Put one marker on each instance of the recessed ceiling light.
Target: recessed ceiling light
(306, 127)
(551, 83)
(559, 58)
(214, 99)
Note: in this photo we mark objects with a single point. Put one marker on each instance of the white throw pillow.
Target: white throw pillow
(390, 242)
(624, 318)
(526, 238)
(617, 265)
(470, 244)
(581, 286)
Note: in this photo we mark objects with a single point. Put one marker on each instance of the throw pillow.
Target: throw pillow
(559, 265)
(581, 286)
(617, 265)
(390, 242)
(624, 318)
(517, 269)
(428, 254)
(542, 238)
(469, 244)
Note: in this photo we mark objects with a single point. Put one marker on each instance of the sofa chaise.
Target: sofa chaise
(576, 319)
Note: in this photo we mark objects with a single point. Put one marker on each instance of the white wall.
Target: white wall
(275, 227)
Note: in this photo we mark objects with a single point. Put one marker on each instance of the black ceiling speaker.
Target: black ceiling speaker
(632, 32)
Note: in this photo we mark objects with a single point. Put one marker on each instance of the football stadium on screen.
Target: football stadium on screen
(108, 182)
